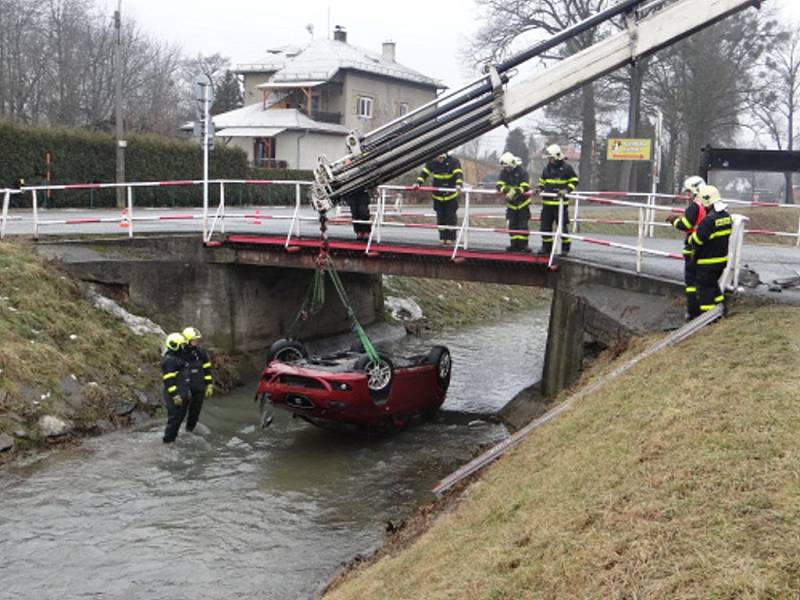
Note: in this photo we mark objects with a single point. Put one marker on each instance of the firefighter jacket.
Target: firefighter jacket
(556, 176)
(710, 241)
(199, 367)
(445, 174)
(514, 184)
(692, 217)
(175, 372)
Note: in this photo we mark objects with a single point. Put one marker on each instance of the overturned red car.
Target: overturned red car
(352, 392)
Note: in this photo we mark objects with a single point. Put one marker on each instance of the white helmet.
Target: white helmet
(708, 195)
(693, 184)
(509, 160)
(554, 151)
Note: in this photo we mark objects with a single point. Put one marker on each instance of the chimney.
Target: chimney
(340, 34)
(388, 51)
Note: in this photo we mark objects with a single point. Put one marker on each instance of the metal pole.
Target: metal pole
(35, 206)
(656, 174)
(6, 202)
(640, 238)
(118, 104)
(130, 212)
(221, 211)
(205, 159)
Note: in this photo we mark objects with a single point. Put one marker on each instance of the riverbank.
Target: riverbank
(676, 481)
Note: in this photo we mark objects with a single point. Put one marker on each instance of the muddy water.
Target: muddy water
(237, 512)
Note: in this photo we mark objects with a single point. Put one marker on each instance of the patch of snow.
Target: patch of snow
(402, 309)
(138, 325)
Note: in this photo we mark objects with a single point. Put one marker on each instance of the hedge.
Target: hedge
(85, 157)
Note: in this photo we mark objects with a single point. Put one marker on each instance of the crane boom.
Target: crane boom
(494, 99)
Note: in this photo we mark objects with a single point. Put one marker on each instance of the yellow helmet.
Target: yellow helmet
(708, 195)
(190, 333)
(175, 341)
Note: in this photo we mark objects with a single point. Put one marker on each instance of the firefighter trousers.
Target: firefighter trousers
(550, 223)
(690, 281)
(446, 211)
(708, 291)
(518, 224)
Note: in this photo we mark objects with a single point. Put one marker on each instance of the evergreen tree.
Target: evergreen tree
(227, 94)
(517, 145)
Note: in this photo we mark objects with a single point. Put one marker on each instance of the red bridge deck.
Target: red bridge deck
(377, 250)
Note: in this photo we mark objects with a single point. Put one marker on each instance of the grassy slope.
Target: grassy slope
(679, 480)
(41, 310)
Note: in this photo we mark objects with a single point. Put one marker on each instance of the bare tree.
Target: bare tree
(775, 105)
(703, 85)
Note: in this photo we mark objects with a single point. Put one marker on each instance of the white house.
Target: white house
(301, 102)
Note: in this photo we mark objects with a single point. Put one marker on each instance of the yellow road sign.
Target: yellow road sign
(629, 149)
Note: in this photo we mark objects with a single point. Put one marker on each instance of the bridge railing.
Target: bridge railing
(389, 202)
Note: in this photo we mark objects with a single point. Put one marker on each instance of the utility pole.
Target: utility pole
(120, 137)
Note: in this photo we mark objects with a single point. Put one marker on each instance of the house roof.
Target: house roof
(255, 117)
(322, 59)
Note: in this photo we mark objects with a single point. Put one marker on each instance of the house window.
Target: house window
(364, 107)
(264, 152)
(402, 109)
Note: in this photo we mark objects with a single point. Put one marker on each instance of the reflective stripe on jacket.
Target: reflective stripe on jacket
(710, 241)
(514, 180)
(445, 174)
(175, 374)
(692, 217)
(556, 176)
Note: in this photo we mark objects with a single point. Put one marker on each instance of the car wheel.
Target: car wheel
(379, 374)
(439, 356)
(287, 350)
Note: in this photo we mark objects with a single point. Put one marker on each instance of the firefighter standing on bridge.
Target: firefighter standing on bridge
(692, 216)
(445, 170)
(513, 182)
(710, 246)
(558, 179)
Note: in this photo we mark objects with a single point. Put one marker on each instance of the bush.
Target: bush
(85, 157)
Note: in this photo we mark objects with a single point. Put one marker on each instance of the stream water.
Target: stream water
(238, 512)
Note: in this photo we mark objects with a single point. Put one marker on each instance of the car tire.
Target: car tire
(287, 350)
(440, 358)
(379, 376)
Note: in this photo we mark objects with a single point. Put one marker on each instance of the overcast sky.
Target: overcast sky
(429, 34)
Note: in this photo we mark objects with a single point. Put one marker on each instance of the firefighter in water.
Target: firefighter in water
(709, 243)
(558, 179)
(445, 171)
(513, 182)
(694, 213)
(201, 382)
(175, 374)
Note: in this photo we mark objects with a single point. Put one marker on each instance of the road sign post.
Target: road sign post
(204, 129)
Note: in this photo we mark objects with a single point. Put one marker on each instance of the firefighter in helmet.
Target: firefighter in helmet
(513, 183)
(175, 374)
(558, 179)
(709, 244)
(201, 381)
(692, 216)
(445, 171)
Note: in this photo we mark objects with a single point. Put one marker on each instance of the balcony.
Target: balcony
(325, 117)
